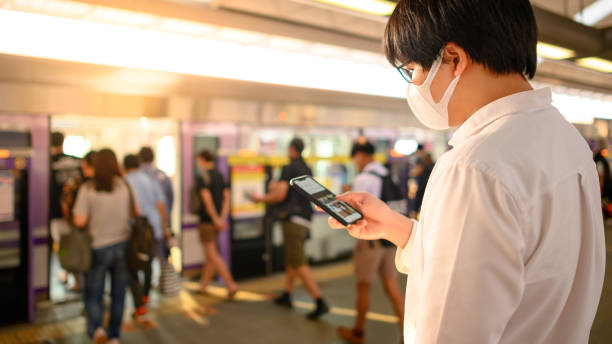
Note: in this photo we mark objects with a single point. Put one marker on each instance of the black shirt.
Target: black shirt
(65, 177)
(295, 204)
(214, 182)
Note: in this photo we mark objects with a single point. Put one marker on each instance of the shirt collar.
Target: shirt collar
(514, 103)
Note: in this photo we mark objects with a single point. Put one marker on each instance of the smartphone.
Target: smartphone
(326, 200)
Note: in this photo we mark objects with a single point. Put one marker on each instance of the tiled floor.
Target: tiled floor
(253, 318)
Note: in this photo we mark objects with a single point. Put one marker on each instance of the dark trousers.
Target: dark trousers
(111, 259)
(140, 289)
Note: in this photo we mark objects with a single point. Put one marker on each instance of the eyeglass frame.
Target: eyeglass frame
(405, 73)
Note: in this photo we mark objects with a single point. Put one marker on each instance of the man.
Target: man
(371, 257)
(65, 179)
(297, 213)
(510, 245)
(147, 157)
(151, 204)
(214, 213)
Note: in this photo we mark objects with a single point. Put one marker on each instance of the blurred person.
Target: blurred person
(103, 205)
(214, 215)
(296, 215)
(87, 166)
(64, 180)
(68, 197)
(147, 157)
(603, 170)
(421, 172)
(510, 244)
(371, 257)
(151, 205)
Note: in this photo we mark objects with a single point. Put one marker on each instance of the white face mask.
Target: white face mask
(431, 114)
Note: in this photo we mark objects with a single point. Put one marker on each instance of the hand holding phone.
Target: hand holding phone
(308, 187)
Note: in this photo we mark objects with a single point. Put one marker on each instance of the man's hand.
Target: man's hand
(379, 222)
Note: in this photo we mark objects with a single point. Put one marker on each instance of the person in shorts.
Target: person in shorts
(296, 213)
(214, 213)
(371, 257)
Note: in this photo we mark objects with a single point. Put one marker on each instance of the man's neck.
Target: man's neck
(56, 150)
(485, 90)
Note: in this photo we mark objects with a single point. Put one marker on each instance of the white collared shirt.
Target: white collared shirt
(510, 245)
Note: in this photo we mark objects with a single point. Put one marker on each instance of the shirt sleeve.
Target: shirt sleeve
(403, 255)
(472, 267)
(286, 173)
(81, 205)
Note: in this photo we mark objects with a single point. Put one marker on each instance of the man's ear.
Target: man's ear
(456, 57)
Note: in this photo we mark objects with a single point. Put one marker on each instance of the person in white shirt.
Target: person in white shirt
(510, 243)
(375, 256)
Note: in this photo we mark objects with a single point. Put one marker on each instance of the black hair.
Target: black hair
(499, 34)
(146, 154)
(207, 156)
(363, 147)
(89, 158)
(297, 144)
(131, 161)
(57, 139)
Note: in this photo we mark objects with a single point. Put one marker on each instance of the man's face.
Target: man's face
(439, 84)
(359, 159)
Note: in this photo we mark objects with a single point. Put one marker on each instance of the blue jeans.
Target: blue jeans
(110, 259)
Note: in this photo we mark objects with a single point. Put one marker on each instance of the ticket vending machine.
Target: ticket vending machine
(15, 254)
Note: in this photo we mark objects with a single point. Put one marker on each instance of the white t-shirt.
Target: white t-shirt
(510, 245)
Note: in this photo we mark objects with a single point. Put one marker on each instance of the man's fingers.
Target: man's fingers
(334, 224)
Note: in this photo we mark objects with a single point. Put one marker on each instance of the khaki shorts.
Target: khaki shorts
(294, 236)
(208, 232)
(372, 258)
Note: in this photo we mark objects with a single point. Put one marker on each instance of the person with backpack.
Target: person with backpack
(377, 256)
(103, 205)
(152, 207)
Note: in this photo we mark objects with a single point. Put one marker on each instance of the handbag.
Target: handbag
(75, 250)
(170, 280)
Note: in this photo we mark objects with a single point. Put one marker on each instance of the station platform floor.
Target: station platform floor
(253, 318)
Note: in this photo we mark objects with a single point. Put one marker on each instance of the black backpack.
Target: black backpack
(392, 195)
(142, 246)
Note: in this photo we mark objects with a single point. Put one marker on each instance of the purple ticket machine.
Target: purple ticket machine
(15, 234)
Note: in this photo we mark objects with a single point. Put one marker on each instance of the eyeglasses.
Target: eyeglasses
(405, 72)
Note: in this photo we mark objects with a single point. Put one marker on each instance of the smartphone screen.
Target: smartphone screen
(326, 200)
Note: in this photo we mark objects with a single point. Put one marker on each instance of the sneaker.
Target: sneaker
(284, 300)
(145, 300)
(140, 311)
(321, 309)
(100, 336)
(351, 336)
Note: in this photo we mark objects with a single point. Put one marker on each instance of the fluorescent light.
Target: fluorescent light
(85, 41)
(76, 145)
(376, 7)
(405, 146)
(166, 155)
(594, 13)
(596, 63)
(554, 52)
